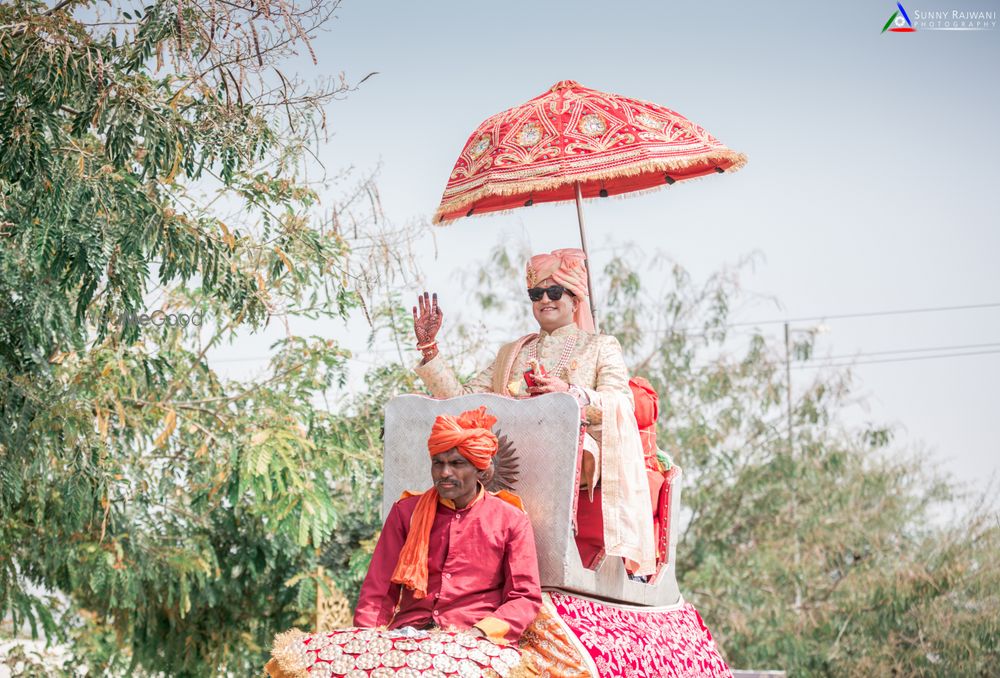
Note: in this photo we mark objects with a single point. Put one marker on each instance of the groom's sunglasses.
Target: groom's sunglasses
(555, 292)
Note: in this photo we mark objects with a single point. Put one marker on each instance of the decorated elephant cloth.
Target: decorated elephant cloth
(402, 653)
(577, 637)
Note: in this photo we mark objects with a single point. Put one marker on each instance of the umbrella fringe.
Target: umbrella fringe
(557, 203)
(735, 160)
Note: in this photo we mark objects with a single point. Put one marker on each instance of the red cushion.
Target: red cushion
(647, 401)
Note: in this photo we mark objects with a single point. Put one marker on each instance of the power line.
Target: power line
(928, 349)
(869, 314)
(748, 323)
(895, 360)
(851, 359)
(267, 358)
(802, 366)
(851, 356)
(699, 331)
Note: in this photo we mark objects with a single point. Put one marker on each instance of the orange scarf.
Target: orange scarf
(471, 435)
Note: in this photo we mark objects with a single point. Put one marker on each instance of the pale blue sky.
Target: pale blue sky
(871, 183)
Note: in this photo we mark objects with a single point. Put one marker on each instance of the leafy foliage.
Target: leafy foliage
(181, 518)
(818, 549)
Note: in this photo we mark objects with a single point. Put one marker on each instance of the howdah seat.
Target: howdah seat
(538, 459)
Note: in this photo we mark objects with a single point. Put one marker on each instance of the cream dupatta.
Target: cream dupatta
(628, 524)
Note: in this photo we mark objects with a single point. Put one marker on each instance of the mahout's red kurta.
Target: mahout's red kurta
(482, 571)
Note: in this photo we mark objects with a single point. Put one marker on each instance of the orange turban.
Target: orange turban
(567, 267)
(470, 434)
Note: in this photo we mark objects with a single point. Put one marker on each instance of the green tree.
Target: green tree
(820, 552)
(152, 160)
(823, 553)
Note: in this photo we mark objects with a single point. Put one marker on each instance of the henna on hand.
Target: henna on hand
(428, 320)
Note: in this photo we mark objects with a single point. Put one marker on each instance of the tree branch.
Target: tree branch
(61, 5)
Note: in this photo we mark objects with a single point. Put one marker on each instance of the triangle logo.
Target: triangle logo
(899, 22)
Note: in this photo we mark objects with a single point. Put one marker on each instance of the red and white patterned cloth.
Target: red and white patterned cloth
(610, 144)
(380, 653)
(572, 637)
(615, 641)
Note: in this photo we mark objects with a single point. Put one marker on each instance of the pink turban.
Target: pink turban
(566, 267)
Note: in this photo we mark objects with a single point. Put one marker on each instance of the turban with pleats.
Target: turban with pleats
(567, 267)
(469, 433)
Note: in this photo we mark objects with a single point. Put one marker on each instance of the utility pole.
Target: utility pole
(788, 385)
(795, 481)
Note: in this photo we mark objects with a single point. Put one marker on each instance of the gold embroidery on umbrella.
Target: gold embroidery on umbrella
(528, 149)
(529, 135)
(592, 125)
(480, 146)
(649, 121)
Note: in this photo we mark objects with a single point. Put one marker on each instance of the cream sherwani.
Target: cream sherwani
(597, 367)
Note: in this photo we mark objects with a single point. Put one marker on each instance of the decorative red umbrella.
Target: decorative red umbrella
(574, 142)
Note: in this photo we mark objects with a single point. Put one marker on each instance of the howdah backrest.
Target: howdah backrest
(544, 433)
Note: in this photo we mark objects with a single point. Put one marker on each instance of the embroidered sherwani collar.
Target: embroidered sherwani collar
(563, 331)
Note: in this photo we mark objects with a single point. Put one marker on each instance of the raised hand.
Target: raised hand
(427, 319)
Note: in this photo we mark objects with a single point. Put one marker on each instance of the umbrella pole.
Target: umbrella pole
(583, 241)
